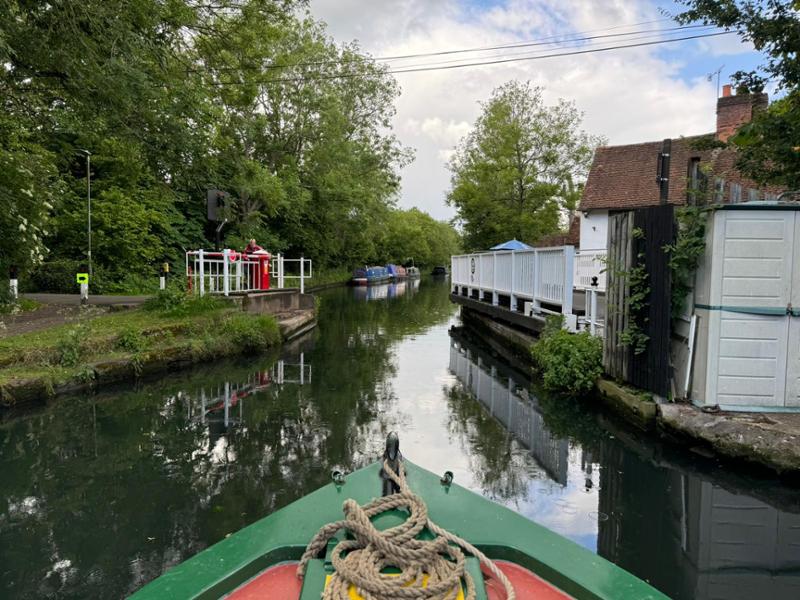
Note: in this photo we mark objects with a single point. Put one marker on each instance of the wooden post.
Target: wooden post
(494, 279)
(569, 277)
(513, 305)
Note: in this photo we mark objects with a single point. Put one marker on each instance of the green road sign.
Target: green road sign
(82, 278)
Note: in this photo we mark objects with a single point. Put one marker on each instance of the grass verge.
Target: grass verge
(170, 328)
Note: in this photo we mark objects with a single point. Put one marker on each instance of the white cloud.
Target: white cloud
(628, 96)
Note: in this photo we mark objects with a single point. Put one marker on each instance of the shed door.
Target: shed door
(755, 250)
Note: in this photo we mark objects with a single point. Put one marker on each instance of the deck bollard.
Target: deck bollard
(13, 282)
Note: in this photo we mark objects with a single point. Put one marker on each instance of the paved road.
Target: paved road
(75, 299)
(59, 309)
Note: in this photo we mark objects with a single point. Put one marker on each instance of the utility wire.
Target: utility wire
(322, 77)
(527, 44)
(530, 53)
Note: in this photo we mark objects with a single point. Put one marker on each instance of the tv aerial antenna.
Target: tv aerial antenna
(717, 74)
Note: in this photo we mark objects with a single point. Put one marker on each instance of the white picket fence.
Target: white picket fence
(229, 272)
(542, 276)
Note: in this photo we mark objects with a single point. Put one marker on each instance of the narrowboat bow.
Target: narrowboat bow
(261, 560)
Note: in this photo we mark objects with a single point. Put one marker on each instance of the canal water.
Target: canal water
(99, 495)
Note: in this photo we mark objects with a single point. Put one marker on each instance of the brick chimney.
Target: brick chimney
(734, 110)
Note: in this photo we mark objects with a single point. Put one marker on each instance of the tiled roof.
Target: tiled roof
(624, 177)
(571, 237)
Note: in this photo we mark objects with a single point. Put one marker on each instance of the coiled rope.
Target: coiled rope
(437, 564)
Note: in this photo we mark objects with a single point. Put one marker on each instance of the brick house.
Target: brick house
(653, 173)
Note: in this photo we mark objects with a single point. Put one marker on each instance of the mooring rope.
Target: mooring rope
(439, 562)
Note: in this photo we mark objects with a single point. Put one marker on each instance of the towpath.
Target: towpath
(58, 309)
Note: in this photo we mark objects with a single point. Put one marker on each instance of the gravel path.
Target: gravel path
(58, 309)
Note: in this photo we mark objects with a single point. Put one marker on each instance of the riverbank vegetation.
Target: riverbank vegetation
(570, 363)
(161, 102)
(170, 328)
(521, 169)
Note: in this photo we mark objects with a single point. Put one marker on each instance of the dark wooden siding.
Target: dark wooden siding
(620, 258)
(649, 370)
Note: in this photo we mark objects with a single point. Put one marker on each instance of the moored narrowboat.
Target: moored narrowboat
(396, 272)
(370, 276)
(412, 272)
(462, 544)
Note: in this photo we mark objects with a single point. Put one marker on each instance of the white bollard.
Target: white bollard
(84, 293)
(162, 283)
(13, 287)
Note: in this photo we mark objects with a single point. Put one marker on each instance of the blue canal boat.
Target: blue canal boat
(397, 272)
(370, 276)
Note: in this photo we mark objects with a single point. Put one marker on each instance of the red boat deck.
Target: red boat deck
(281, 583)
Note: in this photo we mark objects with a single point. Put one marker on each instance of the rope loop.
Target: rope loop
(429, 569)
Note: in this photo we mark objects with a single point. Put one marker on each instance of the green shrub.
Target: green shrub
(69, 348)
(176, 301)
(251, 333)
(130, 340)
(167, 300)
(570, 363)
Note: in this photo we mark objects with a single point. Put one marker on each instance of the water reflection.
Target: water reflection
(101, 494)
(514, 406)
(692, 533)
(386, 290)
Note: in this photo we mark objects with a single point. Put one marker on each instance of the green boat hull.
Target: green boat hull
(499, 532)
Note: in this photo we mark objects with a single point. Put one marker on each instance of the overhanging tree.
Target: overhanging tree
(769, 151)
(520, 168)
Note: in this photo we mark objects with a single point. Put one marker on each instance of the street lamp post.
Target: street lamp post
(89, 204)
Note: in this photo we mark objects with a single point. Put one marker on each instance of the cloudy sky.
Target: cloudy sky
(628, 96)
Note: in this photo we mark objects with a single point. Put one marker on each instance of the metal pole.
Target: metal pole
(202, 286)
(302, 275)
(88, 205)
(225, 269)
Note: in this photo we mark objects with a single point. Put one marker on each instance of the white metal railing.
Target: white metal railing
(303, 269)
(230, 272)
(589, 264)
(540, 275)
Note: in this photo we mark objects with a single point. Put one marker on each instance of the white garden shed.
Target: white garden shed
(747, 310)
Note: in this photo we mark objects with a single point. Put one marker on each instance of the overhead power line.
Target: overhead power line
(323, 77)
(546, 41)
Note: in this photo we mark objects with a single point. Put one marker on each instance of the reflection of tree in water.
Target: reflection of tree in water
(496, 459)
(101, 495)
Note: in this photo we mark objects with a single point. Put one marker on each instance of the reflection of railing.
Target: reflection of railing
(224, 402)
(540, 275)
(518, 415)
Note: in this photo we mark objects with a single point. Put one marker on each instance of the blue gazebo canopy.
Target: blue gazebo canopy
(512, 245)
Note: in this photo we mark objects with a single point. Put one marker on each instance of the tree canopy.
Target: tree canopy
(172, 99)
(768, 146)
(520, 168)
